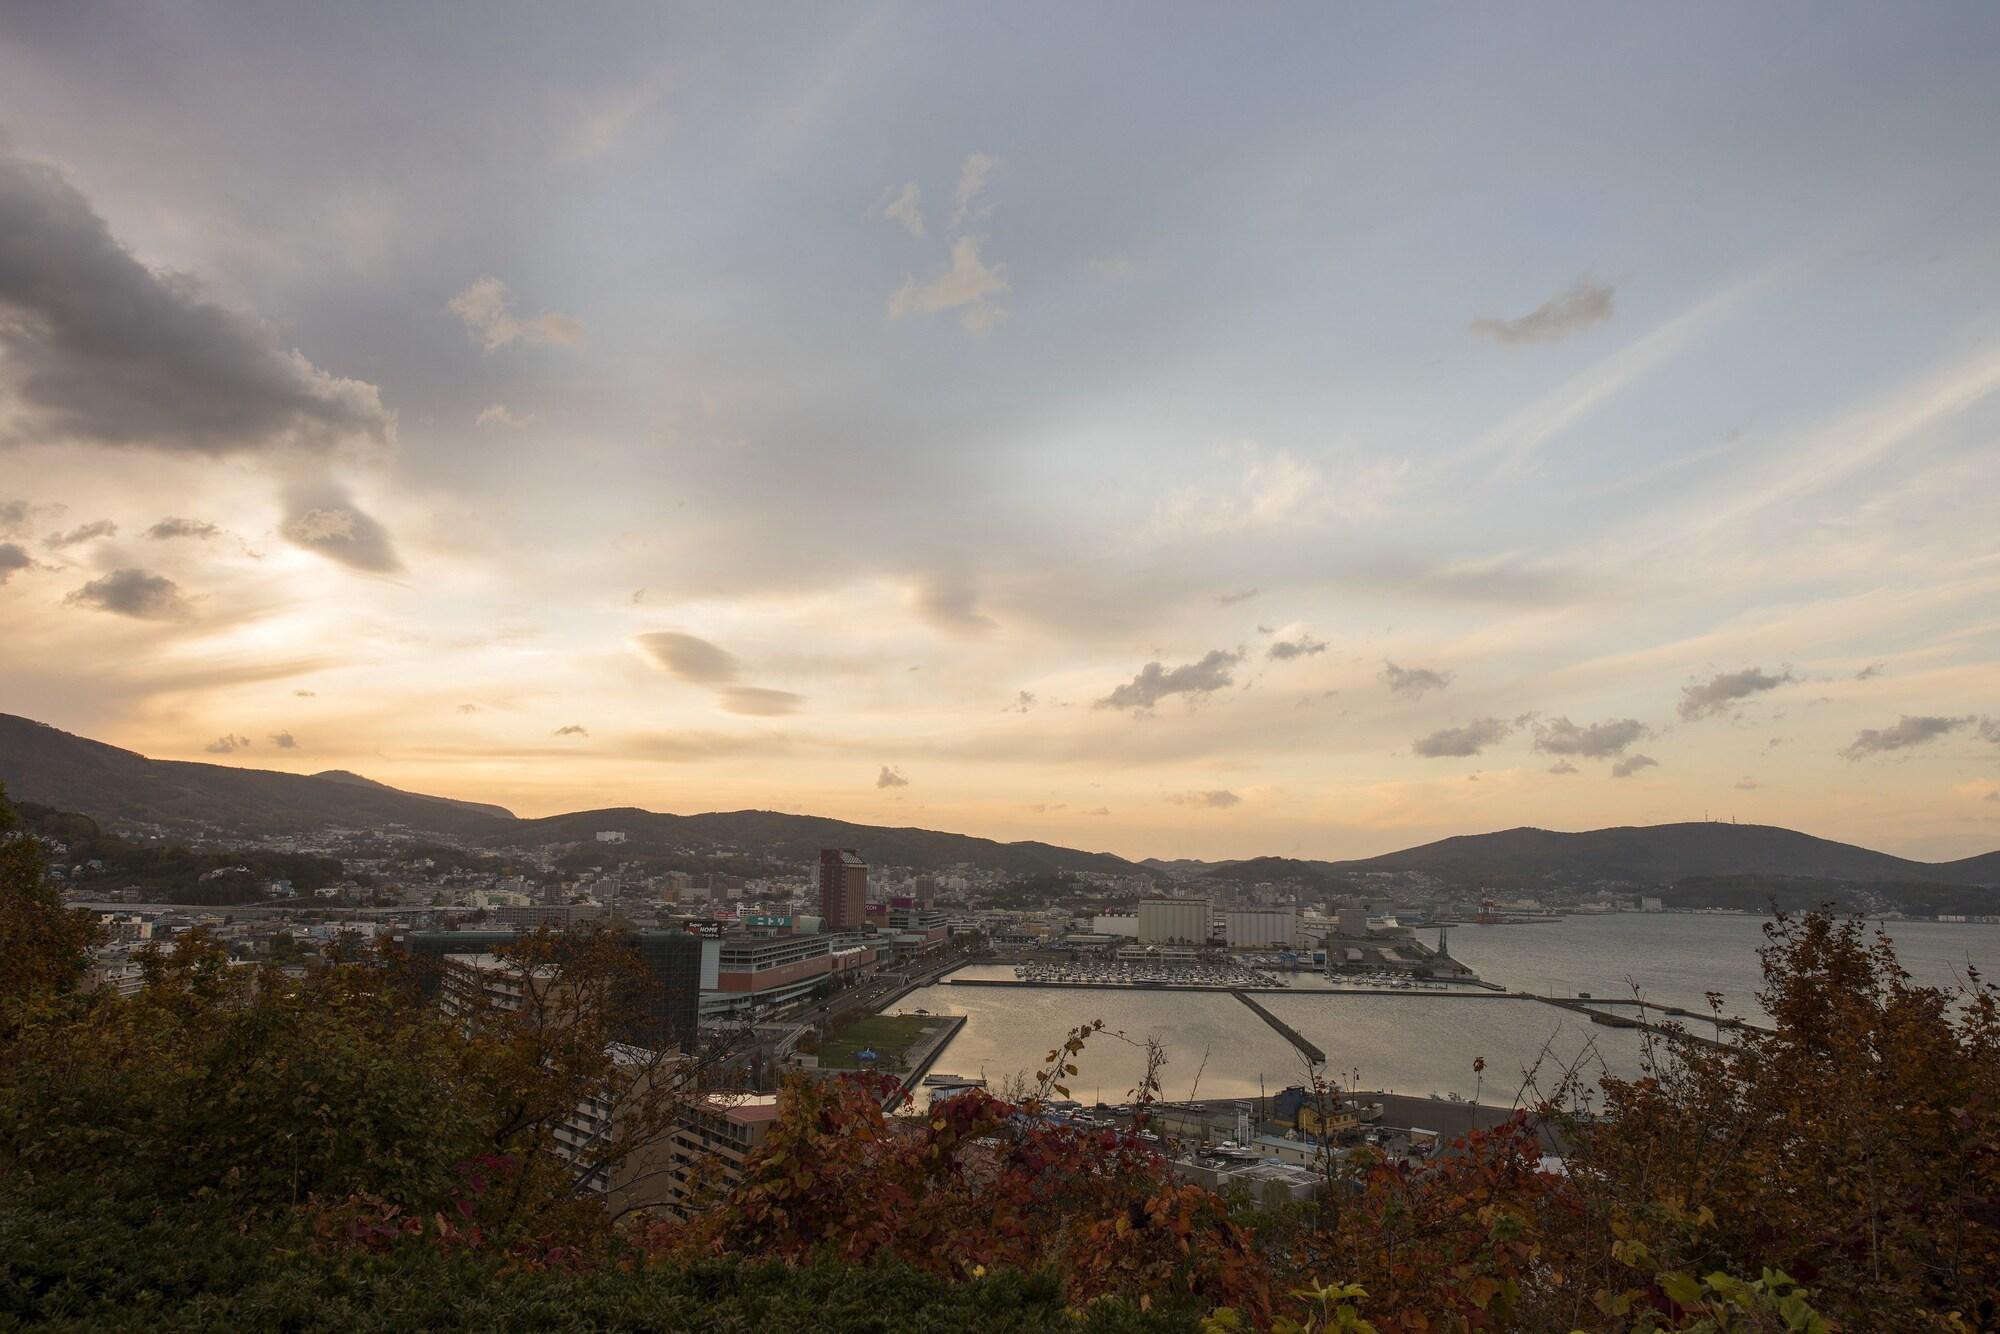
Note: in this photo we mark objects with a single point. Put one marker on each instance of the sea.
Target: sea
(1495, 1049)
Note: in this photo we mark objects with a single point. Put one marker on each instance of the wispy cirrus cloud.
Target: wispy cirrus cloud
(485, 308)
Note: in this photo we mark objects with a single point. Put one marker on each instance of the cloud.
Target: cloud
(905, 206)
(1581, 305)
(1096, 810)
(1156, 681)
(950, 603)
(13, 559)
(139, 594)
(88, 532)
(499, 414)
(688, 658)
(1304, 646)
(1216, 799)
(1989, 730)
(284, 741)
(1706, 698)
(306, 694)
(1871, 671)
(14, 517)
(484, 309)
(1562, 767)
(1907, 732)
(1993, 795)
(890, 777)
(97, 348)
(1632, 764)
(167, 529)
(757, 702)
(978, 171)
(1560, 736)
(322, 519)
(468, 708)
(1231, 599)
(970, 285)
(572, 729)
(1023, 701)
(1413, 682)
(696, 661)
(1274, 490)
(1747, 784)
(227, 744)
(1113, 268)
(1458, 742)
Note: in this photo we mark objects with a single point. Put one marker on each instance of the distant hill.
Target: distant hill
(72, 773)
(1659, 854)
(42, 764)
(798, 839)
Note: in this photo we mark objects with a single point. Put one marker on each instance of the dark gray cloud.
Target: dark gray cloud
(1302, 647)
(1632, 764)
(1581, 305)
(13, 559)
(1231, 599)
(1704, 699)
(137, 593)
(227, 744)
(1908, 731)
(322, 519)
(1412, 681)
(14, 517)
(1562, 767)
(1156, 681)
(77, 536)
(1871, 671)
(1989, 730)
(1560, 736)
(1458, 742)
(572, 729)
(284, 741)
(97, 348)
(1219, 798)
(689, 658)
(891, 777)
(758, 702)
(171, 528)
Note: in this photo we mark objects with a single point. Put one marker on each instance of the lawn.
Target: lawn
(889, 1034)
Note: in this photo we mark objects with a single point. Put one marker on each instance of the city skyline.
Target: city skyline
(1313, 447)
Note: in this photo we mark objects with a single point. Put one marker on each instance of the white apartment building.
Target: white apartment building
(1260, 928)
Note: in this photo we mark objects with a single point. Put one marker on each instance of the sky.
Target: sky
(1176, 431)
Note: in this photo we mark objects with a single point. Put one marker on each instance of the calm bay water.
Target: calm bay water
(1410, 1044)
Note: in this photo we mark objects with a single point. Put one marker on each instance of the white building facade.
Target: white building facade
(1175, 921)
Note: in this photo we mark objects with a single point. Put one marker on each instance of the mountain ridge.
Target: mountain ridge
(44, 764)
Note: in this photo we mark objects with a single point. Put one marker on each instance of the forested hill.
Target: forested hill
(1658, 854)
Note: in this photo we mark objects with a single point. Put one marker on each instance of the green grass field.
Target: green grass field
(889, 1034)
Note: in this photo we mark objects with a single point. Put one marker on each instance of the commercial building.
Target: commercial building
(1166, 921)
(843, 889)
(754, 973)
(1260, 928)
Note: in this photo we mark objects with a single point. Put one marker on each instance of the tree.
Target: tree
(44, 948)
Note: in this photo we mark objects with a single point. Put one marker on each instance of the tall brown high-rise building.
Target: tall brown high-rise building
(843, 890)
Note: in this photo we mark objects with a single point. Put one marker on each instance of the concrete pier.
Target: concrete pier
(1284, 1030)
